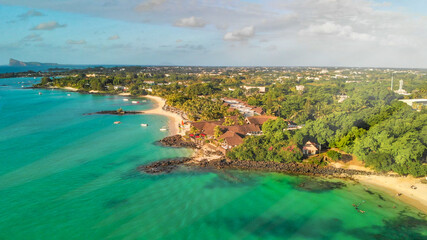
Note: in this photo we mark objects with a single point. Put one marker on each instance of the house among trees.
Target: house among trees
(230, 139)
(241, 106)
(259, 120)
(230, 131)
(310, 148)
(260, 89)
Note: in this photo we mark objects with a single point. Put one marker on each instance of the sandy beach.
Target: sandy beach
(70, 89)
(175, 119)
(400, 185)
(395, 186)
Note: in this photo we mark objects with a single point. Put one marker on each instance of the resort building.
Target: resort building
(259, 120)
(417, 104)
(260, 89)
(244, 108)
(232, 135)
(230, 140)
(310, 148)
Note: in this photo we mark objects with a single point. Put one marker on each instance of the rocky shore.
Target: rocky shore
(293, 168)
(205, 158)
(164, 166)
(177, 141)
(168, 165)
(115, 112)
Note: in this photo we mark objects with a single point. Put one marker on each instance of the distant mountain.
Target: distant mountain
(14, 62)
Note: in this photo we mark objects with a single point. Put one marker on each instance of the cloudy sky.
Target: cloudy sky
(377, 33)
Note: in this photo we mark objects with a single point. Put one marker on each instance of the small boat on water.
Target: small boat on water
(163, 129)
(144, 125)
(125, 99)
(68, 94)
(134, 102)
(117, 122)
(40, 93)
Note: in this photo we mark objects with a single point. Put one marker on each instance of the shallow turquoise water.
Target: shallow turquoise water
(65, 175)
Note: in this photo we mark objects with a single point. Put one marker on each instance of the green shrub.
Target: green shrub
(334, 155)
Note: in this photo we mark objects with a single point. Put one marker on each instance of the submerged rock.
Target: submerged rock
(164, 166)
(318, 185)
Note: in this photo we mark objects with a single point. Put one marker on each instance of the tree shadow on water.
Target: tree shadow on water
(227, 179)
(280, 227)
(316, 185)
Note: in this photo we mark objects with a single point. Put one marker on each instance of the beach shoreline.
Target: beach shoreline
(400, 188)
(174, 119)
(397, 186)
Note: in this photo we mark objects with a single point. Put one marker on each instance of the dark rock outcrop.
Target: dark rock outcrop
(177, 141)
(164, 166)
(296, 168)
(116, 112)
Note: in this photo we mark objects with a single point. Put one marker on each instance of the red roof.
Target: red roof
(232, 138)
(259, 120)
(243, 129)
(206, 127)
(310, 146)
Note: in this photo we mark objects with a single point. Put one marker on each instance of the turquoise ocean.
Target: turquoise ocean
(67, 175)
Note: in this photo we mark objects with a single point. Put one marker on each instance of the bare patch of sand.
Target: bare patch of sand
(70, 89)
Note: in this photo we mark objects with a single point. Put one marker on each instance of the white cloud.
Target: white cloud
(308, 31)
(190, 22)
(76, 42)
(333, 29)
(114, 37)
(240, 35)
(48, 26)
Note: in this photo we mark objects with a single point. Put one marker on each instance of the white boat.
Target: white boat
(68, 94)
(40, 93)
(144, 125)
(163, 129)
(125, 99)
(117, 122)
(134, 102)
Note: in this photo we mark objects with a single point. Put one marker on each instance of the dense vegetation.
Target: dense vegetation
(369, 123)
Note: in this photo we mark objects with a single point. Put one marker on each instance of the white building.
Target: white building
(300, 87)
(261, 89)
(401, 91)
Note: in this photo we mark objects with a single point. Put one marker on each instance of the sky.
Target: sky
(355, 33)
